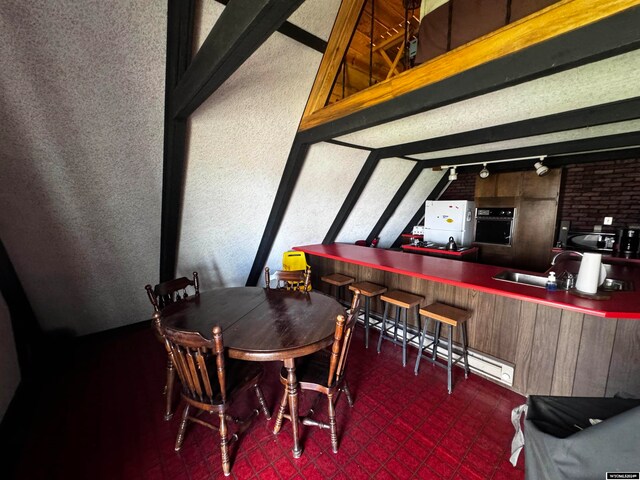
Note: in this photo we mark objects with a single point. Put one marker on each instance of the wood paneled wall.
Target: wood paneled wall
(555, 351)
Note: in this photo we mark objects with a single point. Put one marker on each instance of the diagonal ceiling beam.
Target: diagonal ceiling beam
(595, 41)
(605, 142)
(243, 26)
(434, 195)
(395, 201)
(292, 168)
(352, 197)
(619, 111)
(180, 19)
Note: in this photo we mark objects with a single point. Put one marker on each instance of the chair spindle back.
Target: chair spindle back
(190, 353)
(342, 340)
(289, 279)
(172, 291)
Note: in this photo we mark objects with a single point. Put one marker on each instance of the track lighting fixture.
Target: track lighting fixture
(540, 168)
(484, 173)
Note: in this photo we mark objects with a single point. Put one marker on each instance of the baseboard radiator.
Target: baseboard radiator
(480, 363)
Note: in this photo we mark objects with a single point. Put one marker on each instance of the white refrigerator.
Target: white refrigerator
(449, 218)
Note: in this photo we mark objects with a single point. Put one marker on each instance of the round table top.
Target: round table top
(257, 323)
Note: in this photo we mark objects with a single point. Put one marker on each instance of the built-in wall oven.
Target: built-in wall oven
(494, 225)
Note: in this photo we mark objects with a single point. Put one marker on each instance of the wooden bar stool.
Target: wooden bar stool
(338, 281)
(368, 290)
(452, 317)
(405, 301)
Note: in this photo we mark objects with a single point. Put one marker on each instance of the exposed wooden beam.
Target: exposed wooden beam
(605, 142)
(298, 34)
(241, 28)
(295, 161)
(564, 35)
(343, 29)
(434, 195)
(179, 46)
(613, 112)
(352, 197)
(395, 201)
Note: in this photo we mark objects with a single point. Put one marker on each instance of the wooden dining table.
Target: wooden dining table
(260, 324)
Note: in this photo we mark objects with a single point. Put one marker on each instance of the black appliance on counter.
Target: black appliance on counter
(627, 242)
(494, 225)
(590, 241)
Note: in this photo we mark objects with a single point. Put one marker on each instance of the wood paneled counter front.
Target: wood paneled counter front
(559, 343)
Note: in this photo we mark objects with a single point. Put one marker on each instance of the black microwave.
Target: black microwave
(590, 241)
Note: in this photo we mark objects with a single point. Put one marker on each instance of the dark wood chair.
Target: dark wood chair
(324, 372)
(160, 296)
(288, 279)
(210, 383)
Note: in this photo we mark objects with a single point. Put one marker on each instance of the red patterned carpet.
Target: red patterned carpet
(100, 417)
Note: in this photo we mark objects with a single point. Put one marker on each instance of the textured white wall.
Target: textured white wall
(316, 16)
(325, 180)
(416, 196)
(9, 371)
(239, 143)
(382, 186)
(82, 102)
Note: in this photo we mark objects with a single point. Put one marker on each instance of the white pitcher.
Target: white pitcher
(591, 274)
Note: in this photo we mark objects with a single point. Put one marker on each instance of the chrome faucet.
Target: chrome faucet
(569, 252)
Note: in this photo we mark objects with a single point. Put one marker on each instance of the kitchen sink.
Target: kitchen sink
(522, 278)
(613, 285)
(609, 285)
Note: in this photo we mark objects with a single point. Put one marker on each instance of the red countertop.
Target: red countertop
(439, 251)
(478, 277)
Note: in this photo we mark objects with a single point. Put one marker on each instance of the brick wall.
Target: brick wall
(594, 190)
(589, 192)
(461, 189)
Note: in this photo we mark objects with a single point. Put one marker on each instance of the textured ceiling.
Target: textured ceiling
(567, 135)
(597, 83)
(316, 17)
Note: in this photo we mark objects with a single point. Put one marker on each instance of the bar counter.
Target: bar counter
(557, 342)
(479, 277)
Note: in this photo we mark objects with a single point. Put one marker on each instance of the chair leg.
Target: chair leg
(182, 428)
(263, 403)
(347, 393)
(465, 346)
(366, 322)
(436, 341)
(281, 410)
(423, 336)
(404, 337)
(224, 445)
(383, 330)
(449, 357)
(395, 324)
(168, 390)
(332, 423)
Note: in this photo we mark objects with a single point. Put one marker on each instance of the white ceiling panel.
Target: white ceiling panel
(380, 189)
(326, 178)
(414, 198)
(565, 136)
(316, 17)
(609, 80)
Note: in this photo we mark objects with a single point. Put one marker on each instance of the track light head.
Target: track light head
(453, 175)
(484, 173)
(540, 168)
